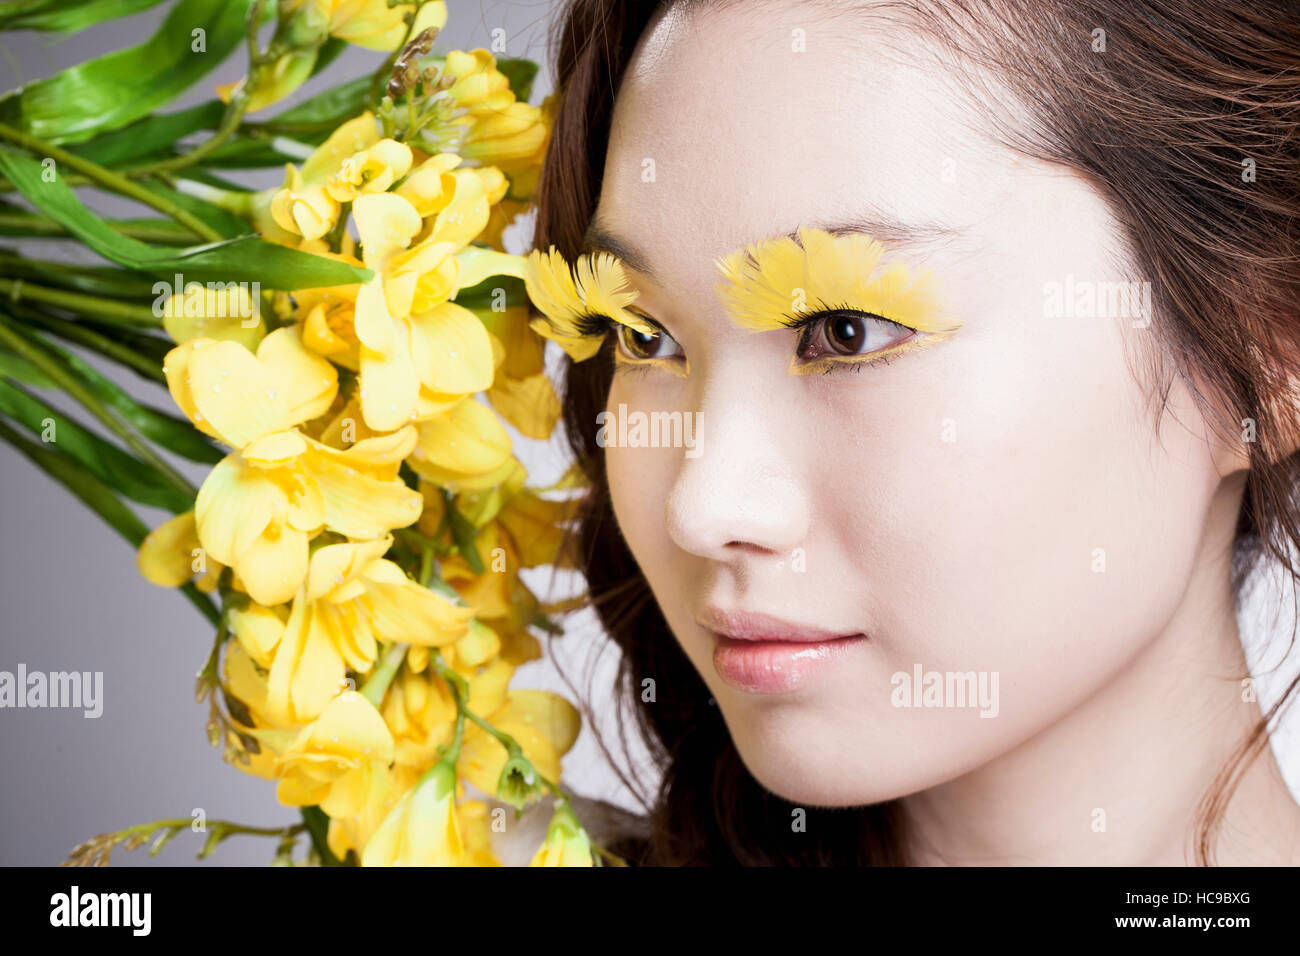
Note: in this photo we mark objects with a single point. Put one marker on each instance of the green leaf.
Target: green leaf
(328, 52)
(226, 223)
(66, 15)
(175, 434)
(521, 74)
(162, 231)
(95, 280)
(142, 354)
(20, 370)
(247, 259)
(106, 461)
(247, 154)
(93, 493)
(114, 90)
(150, 135)
(342, 102)
(480, 296)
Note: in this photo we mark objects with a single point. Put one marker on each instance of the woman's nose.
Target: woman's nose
(739, 497)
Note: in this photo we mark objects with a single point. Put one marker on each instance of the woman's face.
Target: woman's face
(998, 502)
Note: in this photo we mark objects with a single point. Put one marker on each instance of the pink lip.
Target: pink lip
(761, 654)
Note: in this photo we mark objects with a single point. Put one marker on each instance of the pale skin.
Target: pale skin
(948, 504)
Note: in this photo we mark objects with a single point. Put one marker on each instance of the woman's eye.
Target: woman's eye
(849, 333)
(640, 347)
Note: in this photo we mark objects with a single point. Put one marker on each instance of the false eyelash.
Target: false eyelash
(594, 323)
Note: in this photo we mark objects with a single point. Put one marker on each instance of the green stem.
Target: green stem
(202, 602)
(164, 233)
(209, 674)
(459, 693)
(107, 310)
(230, 120)
(54, 370)
(110, 180)
(317, 824)
(426, 565)
(225, 825)
(381, 677)
(89, 338)
(335, 236)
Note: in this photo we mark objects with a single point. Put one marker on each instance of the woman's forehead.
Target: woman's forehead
(728, 150)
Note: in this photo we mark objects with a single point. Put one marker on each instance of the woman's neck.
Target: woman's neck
(1119, 780)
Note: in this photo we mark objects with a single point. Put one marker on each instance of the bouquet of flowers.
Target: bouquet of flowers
(341, 349)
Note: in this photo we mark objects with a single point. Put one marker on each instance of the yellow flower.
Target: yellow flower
(257, 630)
(422, 828)
(420, 711)
(255, 511)
(431, 185)
(521, 392)
(373, 23)
(272, 82)
(327, 316)
(569, 301)
(258, 508)
(245, 693)
(352, 599)
(304, 208)
(492, 126)
(225, 311)
(333, 758)
(567, 843)
(464, 448)
(372, 170)
(239, 397)
(363, 496)
(420, 354)
(479, 85)
(511, 138)
(170, 555)
(382, 791)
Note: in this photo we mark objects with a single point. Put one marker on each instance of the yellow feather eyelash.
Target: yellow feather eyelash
(767, 282)
(569, 296)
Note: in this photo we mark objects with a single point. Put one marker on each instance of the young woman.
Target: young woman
(980, 321)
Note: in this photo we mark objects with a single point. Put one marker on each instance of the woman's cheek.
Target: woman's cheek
(1018, 521)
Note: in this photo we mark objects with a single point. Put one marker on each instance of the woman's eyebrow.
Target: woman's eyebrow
(600, 239)
(887, 229)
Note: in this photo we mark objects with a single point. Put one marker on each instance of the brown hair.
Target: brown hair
(1162, 123)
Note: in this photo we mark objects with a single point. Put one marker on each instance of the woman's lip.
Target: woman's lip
(755, 626)
(776, 667)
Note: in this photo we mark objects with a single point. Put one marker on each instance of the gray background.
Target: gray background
(73, 599)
